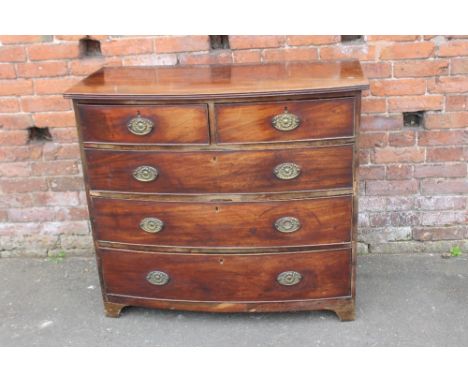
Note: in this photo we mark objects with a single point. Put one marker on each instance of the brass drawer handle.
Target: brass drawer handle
(289, 278)
(287, 224)
(145, 173)
(151, 225)
(285, 121)
(287, 171)
(158, 278)
(140, 125)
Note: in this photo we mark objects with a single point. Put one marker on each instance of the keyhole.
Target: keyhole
(217, 209)
(221, 261)
(215, 159)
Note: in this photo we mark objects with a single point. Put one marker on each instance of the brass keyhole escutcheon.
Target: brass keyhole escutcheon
(285, 121)
(140, 125)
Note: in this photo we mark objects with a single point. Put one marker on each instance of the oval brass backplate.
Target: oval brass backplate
(151, 225)
(140, 125)
(145, 173)
(289, 278)
(158, 278)
(285, 121)
(287, 171)
(287, 224)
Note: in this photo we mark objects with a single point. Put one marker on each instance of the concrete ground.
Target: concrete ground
(402, 301)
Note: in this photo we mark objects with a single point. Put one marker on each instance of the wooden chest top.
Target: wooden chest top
(217, 81)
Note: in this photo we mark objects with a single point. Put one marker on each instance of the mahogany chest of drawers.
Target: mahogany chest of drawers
(225, 188)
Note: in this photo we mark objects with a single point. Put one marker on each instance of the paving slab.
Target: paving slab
(403, 300)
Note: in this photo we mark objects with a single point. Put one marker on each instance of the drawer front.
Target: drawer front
(286, 276)
(182, 124)
(221, 172)
(285, 121)
(224, 224)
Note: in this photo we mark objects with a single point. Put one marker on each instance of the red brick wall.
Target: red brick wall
(413, 180)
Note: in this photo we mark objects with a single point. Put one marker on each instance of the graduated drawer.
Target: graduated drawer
(225, 224)
(220, 171)
(285, 120)
(158, 124)
(252, 277)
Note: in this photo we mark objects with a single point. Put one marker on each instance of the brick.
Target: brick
(453, 48)
(7, 71)
(445, 186)
(65, 227)
(67, 134)
(391, 37)
(448, 85)
(15, 121)
(440, 138)
(397, 203)
(15, 169)
(377, 122)
(255, 42)
(407, 51)
(312, 40)
(442, 218)
(394, 219)
(391, 187)
(379, 235)
(411, 247)
(371, 172)
(54, 151)
(460, 66)
(24, 39)
(42, 69)
(371, 203)
(54, 85)
(364, 157)
(373, 105)
(12, 54)
(73, 213)
(45, 103)
(402, 138)
(415, 103)
(444, 154)
(290, 54)
(246, 56)
(129, 46)
(53, 51)
(79, 37)
(370, 140)
(57, 199)
(34, 214)
(399, 155)
(175, 44)
(456, 102)
(435, 203)
(13, 185)
(377, 69)
(54, 168)
(15, 87)
(54, 119)
(446, 120)
(9, 105)
(216, 57)
(153, 59)
(16, 150)
(420, 68)
(66, 183)
(362, 52)
(397, 87)
(437, 233)
(442, 170)
(399, 172)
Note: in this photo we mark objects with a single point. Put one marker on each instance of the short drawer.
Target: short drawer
(252, 277)
(225, 224)
(157, 124)
(285, 121)
(220, 171)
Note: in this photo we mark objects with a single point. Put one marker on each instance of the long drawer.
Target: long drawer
(144, 124)
(220, 171)
(285, 120)
(253, 277)
(225, 224)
